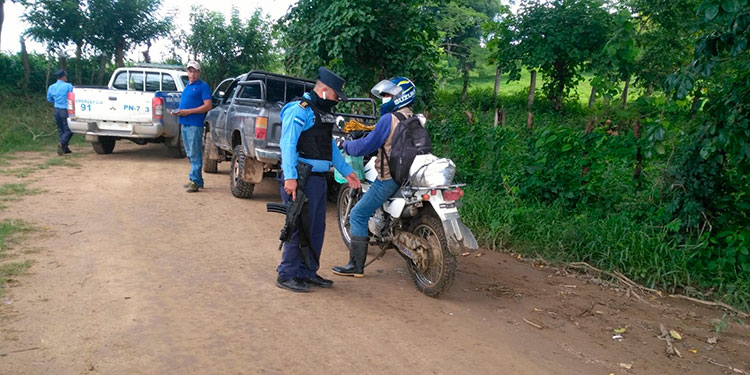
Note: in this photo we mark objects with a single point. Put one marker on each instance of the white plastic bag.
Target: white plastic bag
(430, 171)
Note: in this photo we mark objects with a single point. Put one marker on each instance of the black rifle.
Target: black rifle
(295, 214)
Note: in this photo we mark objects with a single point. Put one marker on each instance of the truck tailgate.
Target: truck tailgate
(113, 105)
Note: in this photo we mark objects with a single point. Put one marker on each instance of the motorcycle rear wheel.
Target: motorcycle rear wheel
(442, 264)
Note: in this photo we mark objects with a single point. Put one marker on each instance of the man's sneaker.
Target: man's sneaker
(192, 187)
(319, 282)
(188, 185)
(60, 149)
(67, 150)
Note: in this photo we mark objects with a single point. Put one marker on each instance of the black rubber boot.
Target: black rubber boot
(357, 258)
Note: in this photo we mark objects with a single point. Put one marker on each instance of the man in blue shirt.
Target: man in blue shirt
(306, 137)
(57, 93)
(194, 103)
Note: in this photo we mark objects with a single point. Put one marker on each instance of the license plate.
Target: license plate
(115, 126)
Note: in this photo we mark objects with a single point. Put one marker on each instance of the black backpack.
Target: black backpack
(409, 140)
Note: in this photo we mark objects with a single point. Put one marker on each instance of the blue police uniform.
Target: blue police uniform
(297, 118)
(57, 93)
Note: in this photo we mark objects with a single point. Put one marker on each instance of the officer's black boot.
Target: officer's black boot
(357, 257)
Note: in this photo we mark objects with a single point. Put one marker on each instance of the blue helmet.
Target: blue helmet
(402, 91)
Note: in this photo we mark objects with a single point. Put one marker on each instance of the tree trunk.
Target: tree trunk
(62, 61)
(49, 69)
(625, 93)
(465, 83)
(2, 17)
(532, 89)
(26, 67)
(502, 117)
(120, 53)
(590, 126)
(497, 89)
(102, 67)
(592, 97)
(530, 121)
(77, 68)
(146, 53)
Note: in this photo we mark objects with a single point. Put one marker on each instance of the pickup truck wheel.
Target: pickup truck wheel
(209, 166)
(177, 151)
(104, 146)
(239, 188)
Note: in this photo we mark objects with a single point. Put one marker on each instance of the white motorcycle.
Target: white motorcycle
(421, 221)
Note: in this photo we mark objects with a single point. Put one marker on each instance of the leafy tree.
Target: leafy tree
(118, 25)
(363, 40)
(57, 23)
(229, 47)
(666, 34)
(710, 188)
(460, 25)
(558, 37)
(617, 60)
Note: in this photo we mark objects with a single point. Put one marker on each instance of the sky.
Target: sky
(14, 25)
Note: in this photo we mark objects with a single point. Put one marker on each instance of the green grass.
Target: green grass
(9, 231)
(8, 270)
(26, 124)
(12, 192)
(483, 77)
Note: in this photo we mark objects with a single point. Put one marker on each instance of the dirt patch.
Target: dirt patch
(133, 275)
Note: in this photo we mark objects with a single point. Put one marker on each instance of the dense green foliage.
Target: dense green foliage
(565, 194)
(229, 47)
(364, 41)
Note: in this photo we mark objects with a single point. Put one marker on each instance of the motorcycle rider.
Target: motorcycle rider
(397, 95)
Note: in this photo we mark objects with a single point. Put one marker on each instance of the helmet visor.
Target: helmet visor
(385, 87)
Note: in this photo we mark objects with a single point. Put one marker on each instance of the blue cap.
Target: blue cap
(333, 81)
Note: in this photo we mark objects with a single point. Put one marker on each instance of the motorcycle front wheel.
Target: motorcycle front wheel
(344, 205)
(441, 270)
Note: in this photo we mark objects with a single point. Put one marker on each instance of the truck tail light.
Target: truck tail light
(157, 109)
(261, 127)
(71, 104)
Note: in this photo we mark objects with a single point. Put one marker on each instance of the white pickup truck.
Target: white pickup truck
(135, 106)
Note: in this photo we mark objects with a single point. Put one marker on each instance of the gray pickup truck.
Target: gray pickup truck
(245, 126)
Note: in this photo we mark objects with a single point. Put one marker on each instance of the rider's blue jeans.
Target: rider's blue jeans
(378, 193)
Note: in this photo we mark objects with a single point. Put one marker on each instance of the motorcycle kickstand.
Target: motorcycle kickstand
(380, 255)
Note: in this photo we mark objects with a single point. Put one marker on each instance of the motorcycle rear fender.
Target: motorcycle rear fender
(459, 237)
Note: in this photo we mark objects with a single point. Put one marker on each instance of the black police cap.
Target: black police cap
(333, 81)
(60, 73)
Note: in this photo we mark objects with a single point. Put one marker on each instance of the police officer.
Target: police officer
(57, 93)
(306, 136)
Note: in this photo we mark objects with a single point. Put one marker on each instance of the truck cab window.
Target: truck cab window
(167, 83)
(250, 92)
(275, 91)
(294, 90)
(185, 80)
(153, 82)
(136, 81)
(121, 81)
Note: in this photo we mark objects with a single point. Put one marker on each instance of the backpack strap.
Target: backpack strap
(400, 117)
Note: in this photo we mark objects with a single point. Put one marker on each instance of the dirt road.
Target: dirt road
(132, 275)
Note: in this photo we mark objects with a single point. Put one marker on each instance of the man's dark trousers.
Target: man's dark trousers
(61, 119)
(292, 260)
